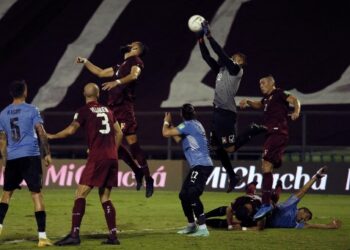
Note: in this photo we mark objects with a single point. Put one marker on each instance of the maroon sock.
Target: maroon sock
(139, 155)
(125, 155)
(267, 188)
(109, 210)
(276, 194)
(77, 216)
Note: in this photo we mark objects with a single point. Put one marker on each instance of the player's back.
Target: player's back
(98, 123)
(18, 121)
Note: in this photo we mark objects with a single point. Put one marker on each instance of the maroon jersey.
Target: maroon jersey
(276, 108)
(125, 92)
(98, 123)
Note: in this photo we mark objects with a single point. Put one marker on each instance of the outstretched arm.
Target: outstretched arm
(68, 131)
(97, 71)
(232, 67)
(3, 147)
(206, 56)
(44, 143)
(248, 103)
(334, 224)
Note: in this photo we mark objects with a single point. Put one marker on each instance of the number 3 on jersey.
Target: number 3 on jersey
(105, 122)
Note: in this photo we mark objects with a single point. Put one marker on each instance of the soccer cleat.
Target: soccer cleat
(320, 173)
(188, 230)
(138, 178)
(68, 240)
(149, 187)
(200, 233)
(110, 241)
(44, 242)
(234, 180)
(263, 211)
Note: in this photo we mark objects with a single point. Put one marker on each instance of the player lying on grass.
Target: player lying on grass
(284, 215)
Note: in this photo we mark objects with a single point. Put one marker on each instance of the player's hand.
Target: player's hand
(110, 85)
(294, 116)
(47, 160)
(80, 60)
(50, 136)
(335, 224)
(205, 28)
(167, 117)
(243, 104)
(320, 173)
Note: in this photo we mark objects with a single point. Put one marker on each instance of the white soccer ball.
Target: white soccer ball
(195, 23)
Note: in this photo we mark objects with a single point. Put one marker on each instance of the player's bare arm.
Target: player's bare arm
(170, 131)
(134, 74)
(3, 145)
(245, 103)
(319, 174)
(118, 134)
(97, 71)
(296, 104)
(68, 131)
(334, 224)
(44, 143)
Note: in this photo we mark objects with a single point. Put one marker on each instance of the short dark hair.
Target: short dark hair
(306, 210)
(144, 49)
(17, 88)
(188, 112)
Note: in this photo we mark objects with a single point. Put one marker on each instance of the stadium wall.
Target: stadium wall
(169, 174)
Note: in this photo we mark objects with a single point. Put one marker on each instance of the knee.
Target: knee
(183, 196)
(266, 167)
(6, 196)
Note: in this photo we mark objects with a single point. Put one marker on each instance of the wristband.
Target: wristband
(166, 123)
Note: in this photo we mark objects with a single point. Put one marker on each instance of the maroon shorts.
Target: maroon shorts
(125, 115)
(274, 147)
(103, 173)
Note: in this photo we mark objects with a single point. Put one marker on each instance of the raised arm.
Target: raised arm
(296, 104)
(44, 143)
(132, 76)
(206, 56)
(319, 174)
(3, 147)
(68, 131)
(168, 130)
(97, 71)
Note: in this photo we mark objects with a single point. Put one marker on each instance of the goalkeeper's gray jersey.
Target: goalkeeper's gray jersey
(226, 87)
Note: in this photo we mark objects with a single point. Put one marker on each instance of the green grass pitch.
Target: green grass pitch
(152, 223)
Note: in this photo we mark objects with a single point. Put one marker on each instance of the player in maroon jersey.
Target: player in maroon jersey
(121, 97)
(103, 138)
(275, 104)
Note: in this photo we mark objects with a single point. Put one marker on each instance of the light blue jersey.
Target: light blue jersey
(18, 122)
(285, 214)
(194, 143)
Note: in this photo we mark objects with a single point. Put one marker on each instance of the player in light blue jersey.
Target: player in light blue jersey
(288, 215)
(195, 146)
(20, 127)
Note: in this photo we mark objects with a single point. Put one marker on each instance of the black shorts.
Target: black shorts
(195, 181)
(24, 168)
(223, 130)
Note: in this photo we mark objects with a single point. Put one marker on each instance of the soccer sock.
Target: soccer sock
(216, 223)
(125, 155)
(225, 160)
(276, 193)
(3, 210)
(110, 215)
(220, 211)
(198, 210)
(139, 155)
(77, 216)
(186, 207)
(40, 217)
(267, 188)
